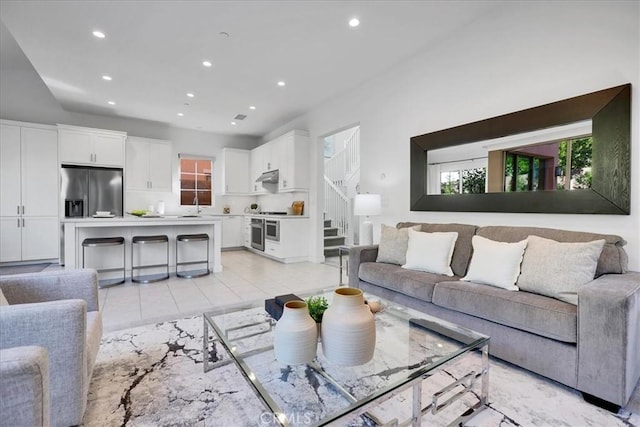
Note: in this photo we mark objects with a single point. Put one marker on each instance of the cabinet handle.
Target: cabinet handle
(150, 184)
(18, 222)
(22, 209)
(22, 222)
(18, 209)
(268, 165)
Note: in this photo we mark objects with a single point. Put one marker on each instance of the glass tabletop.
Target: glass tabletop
(409, 344)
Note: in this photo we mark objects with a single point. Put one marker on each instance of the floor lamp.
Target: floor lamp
(366, 205)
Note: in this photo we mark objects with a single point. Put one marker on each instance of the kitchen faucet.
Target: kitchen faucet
(195, 201)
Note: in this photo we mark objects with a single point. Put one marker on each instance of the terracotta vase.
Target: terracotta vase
(296, 335)
(348, 329)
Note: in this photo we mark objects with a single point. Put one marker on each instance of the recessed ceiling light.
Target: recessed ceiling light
(252, 107)
(99, 34)
(207, 63)
(354, 22)
(233, 123)
(107, 78)
(190, 95)
(180, 114)
(281, 83)
(223, 34)
(111, 103)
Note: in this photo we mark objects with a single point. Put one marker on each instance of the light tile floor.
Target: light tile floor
(245, 277)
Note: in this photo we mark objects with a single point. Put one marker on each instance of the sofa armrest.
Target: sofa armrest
(609, 336)
(24, 374)
(358, 255)
(52, 286)
(60, 327)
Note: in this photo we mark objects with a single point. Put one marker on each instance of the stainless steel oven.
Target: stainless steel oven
(272, 229)
(257, 233)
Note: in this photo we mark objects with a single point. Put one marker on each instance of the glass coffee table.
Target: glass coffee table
(410, 347)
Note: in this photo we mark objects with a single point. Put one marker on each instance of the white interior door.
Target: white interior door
(40, 174)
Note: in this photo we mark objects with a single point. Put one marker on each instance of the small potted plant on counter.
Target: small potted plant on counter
(317, 306)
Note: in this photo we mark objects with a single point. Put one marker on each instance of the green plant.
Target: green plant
(317, 305)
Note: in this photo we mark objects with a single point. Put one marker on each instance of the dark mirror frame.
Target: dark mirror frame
(610, 112)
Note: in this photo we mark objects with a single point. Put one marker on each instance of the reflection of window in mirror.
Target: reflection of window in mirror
(530, 161)
(552, 166)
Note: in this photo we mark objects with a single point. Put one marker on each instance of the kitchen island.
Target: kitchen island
(78, 229)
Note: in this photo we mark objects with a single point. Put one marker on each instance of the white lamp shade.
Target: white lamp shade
(366, 204)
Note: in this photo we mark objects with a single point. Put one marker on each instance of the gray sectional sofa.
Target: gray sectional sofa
(593, 346)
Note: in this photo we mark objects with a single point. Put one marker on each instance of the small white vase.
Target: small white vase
(348, 329)
(296, 335)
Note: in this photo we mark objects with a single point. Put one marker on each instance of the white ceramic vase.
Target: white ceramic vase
(296, 335)
(348, 329)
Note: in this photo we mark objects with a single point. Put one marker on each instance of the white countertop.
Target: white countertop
(134, 221)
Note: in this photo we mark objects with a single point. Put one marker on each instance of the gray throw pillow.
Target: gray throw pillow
(393, 244)
(558, 269)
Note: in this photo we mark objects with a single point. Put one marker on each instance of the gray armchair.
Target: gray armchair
(59, 312)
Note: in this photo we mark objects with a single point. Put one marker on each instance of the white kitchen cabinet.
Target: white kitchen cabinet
(148, 164)
(232, 231)
(257, 169)
(294, 161)
(29, 175)
(293, 243)
(246, 231)
(93, 147)
(235, 171)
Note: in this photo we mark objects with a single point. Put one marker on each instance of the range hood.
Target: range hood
(270, 177)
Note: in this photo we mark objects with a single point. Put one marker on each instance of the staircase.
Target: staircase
(332, 239)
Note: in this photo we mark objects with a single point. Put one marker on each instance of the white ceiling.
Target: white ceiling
(154, 49)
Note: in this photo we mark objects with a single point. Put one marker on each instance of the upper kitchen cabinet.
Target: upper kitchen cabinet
(257, 169)
(289, 154)
(293, 156)
(235, 171)
(91, 147)
(29, 175)
(148, 165)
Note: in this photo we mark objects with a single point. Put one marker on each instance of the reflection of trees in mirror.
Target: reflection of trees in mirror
(581, 152)
(465, 181)
(545, 166)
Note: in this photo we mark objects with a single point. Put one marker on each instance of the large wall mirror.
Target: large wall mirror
(570, 156)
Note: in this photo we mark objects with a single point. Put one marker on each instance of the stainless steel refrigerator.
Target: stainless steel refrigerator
(86, 190)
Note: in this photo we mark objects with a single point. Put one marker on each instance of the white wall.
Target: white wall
(529, 54)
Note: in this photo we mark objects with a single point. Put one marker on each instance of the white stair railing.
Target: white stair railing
(352, 154)
(345, 162)
(334, 168)
(336, 206)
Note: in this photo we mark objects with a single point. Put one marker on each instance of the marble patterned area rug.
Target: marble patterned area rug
(153, 376)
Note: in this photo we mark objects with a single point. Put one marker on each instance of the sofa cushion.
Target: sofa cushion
(417, 284)
(430, 252)
(529, 312)
(393, 244)
(558, 269)
(495, 263)
(613, 258)
(462, 249)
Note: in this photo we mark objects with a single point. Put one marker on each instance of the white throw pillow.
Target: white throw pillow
(3, 300)
(430, 252)
(495, 263)
(559, 269)
(393, 244)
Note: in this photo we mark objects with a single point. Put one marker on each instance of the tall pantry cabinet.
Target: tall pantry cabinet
(29, 223)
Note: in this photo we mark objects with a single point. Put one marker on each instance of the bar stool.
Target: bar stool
(145, 240)
(98, 242)
(187, 238)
